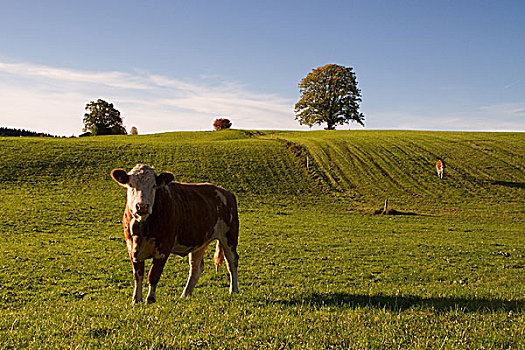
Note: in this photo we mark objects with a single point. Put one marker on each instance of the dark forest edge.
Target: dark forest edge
(23, 132)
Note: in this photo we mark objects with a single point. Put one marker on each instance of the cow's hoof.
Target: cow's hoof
(150, 301)
(136, 300)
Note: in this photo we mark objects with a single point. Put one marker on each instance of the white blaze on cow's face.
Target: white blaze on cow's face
(141, 192)
(141, 183)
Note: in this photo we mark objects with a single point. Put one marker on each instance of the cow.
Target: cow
(440, 168)
(163, 217)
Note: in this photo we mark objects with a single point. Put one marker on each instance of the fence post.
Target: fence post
(307, 162)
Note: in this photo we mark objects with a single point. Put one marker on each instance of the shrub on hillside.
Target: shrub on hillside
(222, 123)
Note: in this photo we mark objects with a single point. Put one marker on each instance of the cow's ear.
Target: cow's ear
(164, 178)
(120, 176)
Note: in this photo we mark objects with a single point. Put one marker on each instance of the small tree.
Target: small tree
(329, 94)
(134, 130)
(103, 119)
(222, 123)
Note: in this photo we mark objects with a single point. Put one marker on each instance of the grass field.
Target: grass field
(317, 269)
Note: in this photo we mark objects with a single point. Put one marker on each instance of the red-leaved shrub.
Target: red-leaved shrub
(222, 123)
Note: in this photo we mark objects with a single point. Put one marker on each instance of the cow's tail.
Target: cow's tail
(218, 257)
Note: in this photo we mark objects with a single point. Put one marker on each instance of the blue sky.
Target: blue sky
(178, 65)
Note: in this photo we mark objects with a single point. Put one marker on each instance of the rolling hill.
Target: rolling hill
(317, 269)
(365, 166)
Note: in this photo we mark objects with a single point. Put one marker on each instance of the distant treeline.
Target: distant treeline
(21, 132)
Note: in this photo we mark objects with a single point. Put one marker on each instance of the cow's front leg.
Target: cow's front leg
(138, 277)
(153, 278)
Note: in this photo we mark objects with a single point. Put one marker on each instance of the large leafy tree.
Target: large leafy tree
(103, 119)
(329, 94)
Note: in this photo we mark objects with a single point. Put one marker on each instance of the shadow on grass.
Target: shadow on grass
(509, 184)
(397, 303)
(396, 212)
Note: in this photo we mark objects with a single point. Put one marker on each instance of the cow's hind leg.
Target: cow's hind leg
(232, 262)
(153, 279)
(196, 260)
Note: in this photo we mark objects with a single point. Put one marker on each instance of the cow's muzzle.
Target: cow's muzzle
(142, 209)
(141, 212)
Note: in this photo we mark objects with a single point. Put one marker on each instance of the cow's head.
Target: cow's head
(142, 183)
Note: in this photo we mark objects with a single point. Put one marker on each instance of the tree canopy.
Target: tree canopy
(329, 94)
(103, 119)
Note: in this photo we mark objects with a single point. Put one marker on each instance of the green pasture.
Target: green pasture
(317, 269)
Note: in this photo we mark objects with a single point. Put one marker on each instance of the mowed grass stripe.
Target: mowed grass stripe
(403, 164)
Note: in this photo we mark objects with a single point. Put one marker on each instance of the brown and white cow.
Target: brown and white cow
(163, 217)
(440, 168)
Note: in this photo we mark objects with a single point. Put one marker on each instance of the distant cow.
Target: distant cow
(163, 217)
(440, 168)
